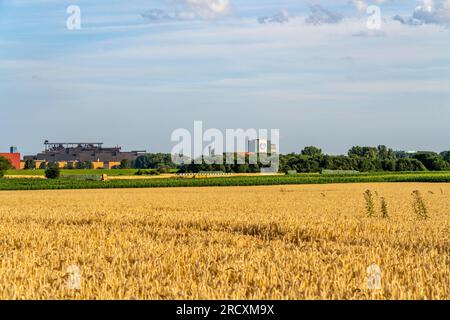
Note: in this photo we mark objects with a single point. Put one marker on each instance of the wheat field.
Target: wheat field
(289, 242)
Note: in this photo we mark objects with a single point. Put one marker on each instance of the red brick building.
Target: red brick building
(13, 157)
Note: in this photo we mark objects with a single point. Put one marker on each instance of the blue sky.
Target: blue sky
(139, 69)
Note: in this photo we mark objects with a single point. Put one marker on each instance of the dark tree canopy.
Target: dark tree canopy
(30, 164)
(154, 161)
(5, 164)
(311, 151)
(52, 172)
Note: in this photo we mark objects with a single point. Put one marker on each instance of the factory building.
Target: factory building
(82, 152)
(13, 156)
(261, 146)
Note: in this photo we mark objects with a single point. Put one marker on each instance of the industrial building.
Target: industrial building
(261, 146)
(13, 156)
(82, 152)
(68, 154)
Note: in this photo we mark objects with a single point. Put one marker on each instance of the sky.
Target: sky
(139, 69)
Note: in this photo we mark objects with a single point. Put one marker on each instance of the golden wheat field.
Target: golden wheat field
(289, 242)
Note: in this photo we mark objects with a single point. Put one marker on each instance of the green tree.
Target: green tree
(164, 169)
(432, 161)
(306, 164)
(154, 161)
(125, 164)
(30, 164)
(52, 172)
(79, 165)
(70, 165)
(5, 164)
(340, 163)
(367, 152)
(388, 164)
(406, 164)
(84, 165)
(445, 155)
(52, 164)
(311, 151)
(385, 153)
(365, 164)
(402, 154)
(252, 168)
(241, 168)
(88, 165)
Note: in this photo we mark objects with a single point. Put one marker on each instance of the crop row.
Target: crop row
(33, 184)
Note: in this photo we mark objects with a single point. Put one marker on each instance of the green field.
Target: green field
(109, 172)
(38, 184)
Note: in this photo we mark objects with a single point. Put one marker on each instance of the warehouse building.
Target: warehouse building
(13, 156)
(82, 152)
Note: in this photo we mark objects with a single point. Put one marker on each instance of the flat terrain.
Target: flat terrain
(267, 242)
(80, 181)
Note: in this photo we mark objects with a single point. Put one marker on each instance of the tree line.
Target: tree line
(365, 159)
(309, 160)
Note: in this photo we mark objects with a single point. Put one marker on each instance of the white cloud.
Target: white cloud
(280, 17)
(320, 15)
(370, 33)
(156, 15)
(204, 9)
(362, 5)
(429, 12)
(190, 10)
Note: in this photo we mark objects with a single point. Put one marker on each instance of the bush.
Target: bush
(30, 164)
(125, 164)
(52, 172)
(84, 165)
(432, 161)
(154, 161)
(311, 151)
(141, 172)
(389, 165)
(163, 170)
(70, 166)
(407, 164)
(4, 165)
